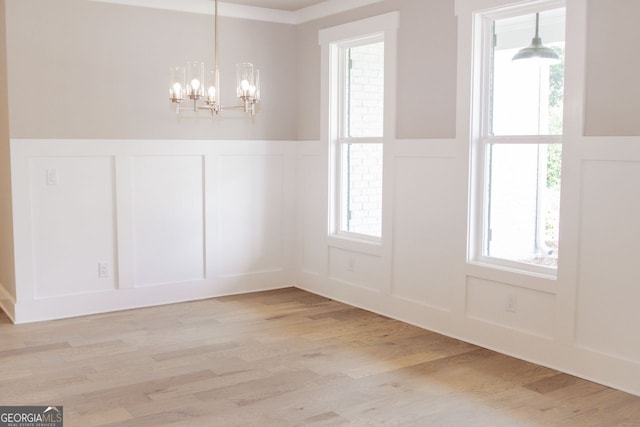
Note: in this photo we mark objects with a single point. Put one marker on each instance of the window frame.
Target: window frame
(482, 139)
(343, 140)
(332, 40)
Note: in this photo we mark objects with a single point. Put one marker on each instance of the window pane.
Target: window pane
(362, 189)
(523, 203)
(527, 94)
(365, 90)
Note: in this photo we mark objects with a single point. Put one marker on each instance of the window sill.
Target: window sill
(356, 243)
(542, 279)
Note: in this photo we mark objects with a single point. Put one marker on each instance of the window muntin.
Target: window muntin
(520, 144)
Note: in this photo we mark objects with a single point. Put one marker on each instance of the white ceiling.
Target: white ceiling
(290, 5)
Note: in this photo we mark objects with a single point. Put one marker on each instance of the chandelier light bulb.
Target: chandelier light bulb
(244, 85)
(195, 84)
(176, 92)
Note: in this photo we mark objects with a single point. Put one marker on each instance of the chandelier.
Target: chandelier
(203, 91)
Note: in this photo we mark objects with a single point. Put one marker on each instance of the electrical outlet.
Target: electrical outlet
(352, 264)
(512, 304)
(52, 176)
(103, 270)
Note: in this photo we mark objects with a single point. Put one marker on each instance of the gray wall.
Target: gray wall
(7, 273)
(427, 68)
(427, 44)
(613, 69)
(82, 69)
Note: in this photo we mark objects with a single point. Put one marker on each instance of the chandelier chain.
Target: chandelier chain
(215, 43)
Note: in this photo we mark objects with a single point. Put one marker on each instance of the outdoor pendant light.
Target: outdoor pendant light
(537, 49)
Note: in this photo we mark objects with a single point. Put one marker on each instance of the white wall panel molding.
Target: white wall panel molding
(356, 269)
(428, 227)
(251, 208)
(72, 215)
(422, 302)
(501, 304)
(312, 223)
(168, 200)
(105, 225)
(125, 221)
(608, 251)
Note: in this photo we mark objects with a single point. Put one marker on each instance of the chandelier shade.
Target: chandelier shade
(247, 82)
(178, 84)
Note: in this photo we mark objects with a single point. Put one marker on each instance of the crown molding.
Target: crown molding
(232, 10)
(328, 8)
(205, 7)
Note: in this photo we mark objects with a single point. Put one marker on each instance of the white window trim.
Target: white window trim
(381, 28)
(481, 161)
(470, 120)
(482, 168)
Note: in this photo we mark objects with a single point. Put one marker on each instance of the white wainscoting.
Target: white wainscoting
(426, 235)
(608, 297)
(581, 323)
(72, 223)
(104, 225)
(251, 197)
(509, 306)
(312, 189)
(168, 219)
(249, 216)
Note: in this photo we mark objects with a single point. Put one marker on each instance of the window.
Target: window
(360, 140)
(517, 152)
(358, 117)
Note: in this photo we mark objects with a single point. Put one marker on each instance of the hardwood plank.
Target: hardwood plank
(283, 358)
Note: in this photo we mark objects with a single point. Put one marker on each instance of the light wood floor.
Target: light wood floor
(283, 358)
